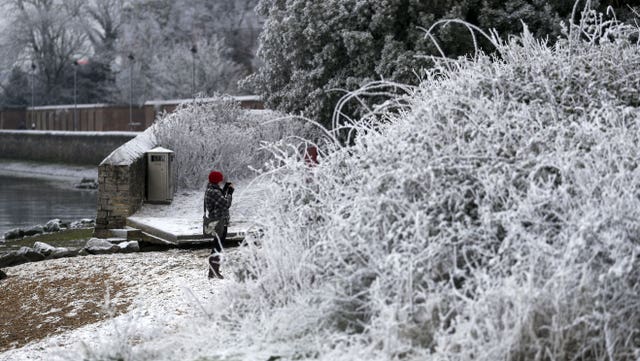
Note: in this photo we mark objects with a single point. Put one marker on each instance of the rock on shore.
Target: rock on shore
(52, 226)
(42, 251)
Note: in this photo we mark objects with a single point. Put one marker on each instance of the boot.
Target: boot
(214, 266)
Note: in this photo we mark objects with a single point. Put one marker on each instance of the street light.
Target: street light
(76, 63)
(131, 59)
(33, 75)
(75, 95)
(194, 51)
(33, 92)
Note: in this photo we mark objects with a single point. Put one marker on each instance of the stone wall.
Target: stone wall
(121, 189)
(88, 148)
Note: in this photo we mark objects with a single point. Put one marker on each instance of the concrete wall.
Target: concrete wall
(121, 184)
(88, 148)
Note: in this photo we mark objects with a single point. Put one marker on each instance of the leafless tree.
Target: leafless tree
(47, 34)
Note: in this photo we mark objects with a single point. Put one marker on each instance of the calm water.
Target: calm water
(25, 202)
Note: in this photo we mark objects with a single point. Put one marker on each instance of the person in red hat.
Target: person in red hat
(217, 200)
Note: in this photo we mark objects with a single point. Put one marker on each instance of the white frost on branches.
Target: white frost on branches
(218, 134)
(495, 217)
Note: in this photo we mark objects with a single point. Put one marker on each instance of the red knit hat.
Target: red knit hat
(215, 177)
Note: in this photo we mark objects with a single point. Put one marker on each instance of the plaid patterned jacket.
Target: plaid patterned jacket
(216, 203)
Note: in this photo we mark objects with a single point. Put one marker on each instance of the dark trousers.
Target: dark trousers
(219, 237)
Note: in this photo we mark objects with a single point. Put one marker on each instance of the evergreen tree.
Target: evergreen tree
(508, 16)
(16, 90)
(103, 26)
(314, 51)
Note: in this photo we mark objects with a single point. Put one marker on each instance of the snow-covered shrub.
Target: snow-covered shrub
(496, 217)
(217, 134)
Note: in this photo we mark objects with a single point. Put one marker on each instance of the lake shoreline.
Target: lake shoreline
(34, 193)
(46, 170)
(68, 237)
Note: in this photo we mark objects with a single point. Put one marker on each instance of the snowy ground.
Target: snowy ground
(159, 289)
(184, 215)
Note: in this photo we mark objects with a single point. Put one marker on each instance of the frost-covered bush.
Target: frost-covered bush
(314, 51)
(217, 134)
(215, 71)
(496, 217)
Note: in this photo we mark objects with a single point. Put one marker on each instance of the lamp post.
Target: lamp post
(76, 64)
(75, 95)
(131, 59)
(33, 89)
(194, 51)
(33, 92)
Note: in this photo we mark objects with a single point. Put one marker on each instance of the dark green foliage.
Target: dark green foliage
(314, 51)
(17, 89)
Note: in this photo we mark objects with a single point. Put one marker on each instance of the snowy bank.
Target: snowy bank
(61, 146)
(158, 290)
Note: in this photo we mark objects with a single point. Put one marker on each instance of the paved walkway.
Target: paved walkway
(180, 222)
(182, 230)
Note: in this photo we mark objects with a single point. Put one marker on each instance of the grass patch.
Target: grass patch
(76, 237)
(42, 306)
